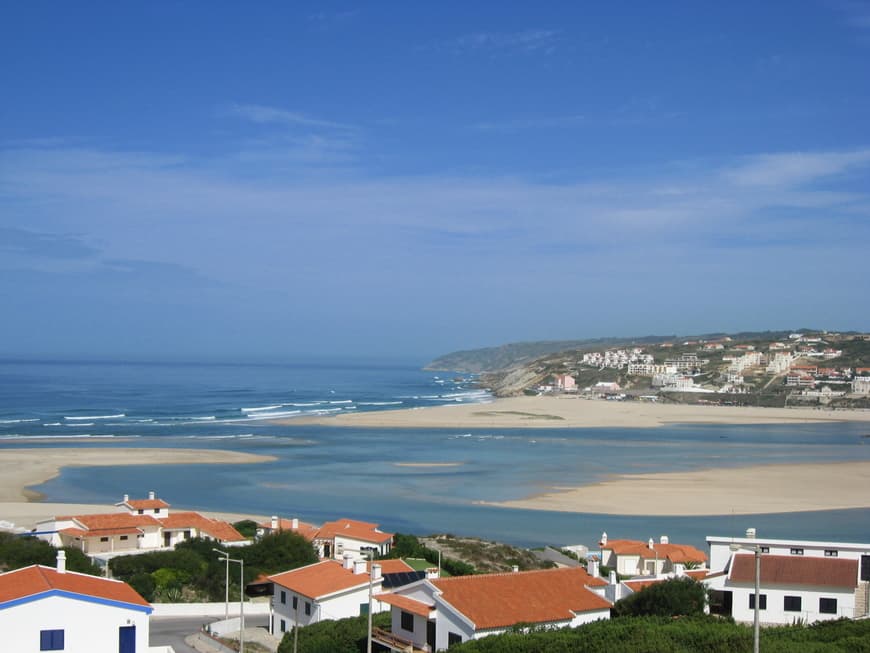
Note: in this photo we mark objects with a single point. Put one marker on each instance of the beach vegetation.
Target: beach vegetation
(339, 636)
(698, 634)
(247, 527)
(193, 571)
(18, 551)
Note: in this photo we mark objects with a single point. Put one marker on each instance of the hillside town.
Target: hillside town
(750, 579)
(802, 369)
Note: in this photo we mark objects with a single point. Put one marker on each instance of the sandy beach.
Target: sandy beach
(23, 468)
(740, 491)
(572, 412)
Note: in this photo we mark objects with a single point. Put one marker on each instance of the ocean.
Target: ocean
(325, 472)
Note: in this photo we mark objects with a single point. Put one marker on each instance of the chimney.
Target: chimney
(61, 562)
(151, 495)
(664, 539)
(347, 560)
(295, 524)
(515, 568)
(603, 542)
(750, 533)
(592, 566)
(274, 522)
(651, 544)
(376, 571)
(611, 578)
(126, 498)
(431, 573)
(359, 566)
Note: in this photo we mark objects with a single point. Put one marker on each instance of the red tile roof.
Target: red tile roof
(393, 566)
(220, 530)
(308, 531)
(37, 579)
(321, 579)
(114, 521)
(146, 504)
(501, 600)
(796, 570)
(638, 585)
(407, 604)
(355, 530)
(679, 553)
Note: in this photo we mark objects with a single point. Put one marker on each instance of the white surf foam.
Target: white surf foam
(84, 418)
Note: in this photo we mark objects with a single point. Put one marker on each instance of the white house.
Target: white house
(51, 609)
(636, 558)
(139, 525)
(433, 614)
(336, 538)
(799, 580)
(326, 590)
(294, 525)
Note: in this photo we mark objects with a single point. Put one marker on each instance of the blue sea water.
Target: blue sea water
(323, 472)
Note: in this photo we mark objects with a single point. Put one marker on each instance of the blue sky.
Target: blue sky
(191, 179)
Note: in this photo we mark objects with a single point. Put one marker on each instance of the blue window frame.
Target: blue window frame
(51, 640)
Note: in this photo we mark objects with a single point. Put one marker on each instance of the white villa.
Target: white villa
(432, 614)
(636, 558)
(139, 525)
(800, 580)
(330, 589)
(52, 609)
(336, 538)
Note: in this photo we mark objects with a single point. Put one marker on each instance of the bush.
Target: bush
(18, 551)
(339, 636)
(676, 597)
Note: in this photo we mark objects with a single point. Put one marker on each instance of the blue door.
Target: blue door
(127, 639)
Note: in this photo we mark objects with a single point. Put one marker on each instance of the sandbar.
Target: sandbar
(722, 491)
(23, 468)
(574, 412)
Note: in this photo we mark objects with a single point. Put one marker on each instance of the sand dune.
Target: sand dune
(740, 491)
(573, 412)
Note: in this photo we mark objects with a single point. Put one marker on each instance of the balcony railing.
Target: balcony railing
(396, 643)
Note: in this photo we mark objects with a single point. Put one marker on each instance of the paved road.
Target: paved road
(171, 631)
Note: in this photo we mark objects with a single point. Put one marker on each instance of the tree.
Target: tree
(18, 551)
(677, 596)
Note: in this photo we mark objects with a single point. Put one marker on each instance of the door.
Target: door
(127, 639)
(430, 635)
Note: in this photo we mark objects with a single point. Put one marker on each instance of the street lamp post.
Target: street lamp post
(226, 558)
(226, 584)
(371, 581)
(756, 629)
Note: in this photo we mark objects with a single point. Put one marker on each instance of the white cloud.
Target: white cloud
(263, 115)
(793, 168)
(533, 40)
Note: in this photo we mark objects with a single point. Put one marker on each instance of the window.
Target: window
(157, 511)
(295, 602)
(104, 539)
(792, 604)
(51, 640)
(283, 626)
(865, 567)
(827, 606)
(796, 552)
(407, 621)
(765, 549)
(141, 512)
(123, 538)
(283, 596)
(363, 609)
(762, 601)
(307, 608)
(453, 638)
(831, 553)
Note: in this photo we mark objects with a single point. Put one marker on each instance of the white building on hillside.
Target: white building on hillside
(861, 385)
(52, 609)
(433, 614)
(801, 580)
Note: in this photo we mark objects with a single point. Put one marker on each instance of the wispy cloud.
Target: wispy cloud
(793, 168)
(527, 41)
(264, 115)
(857, 12)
